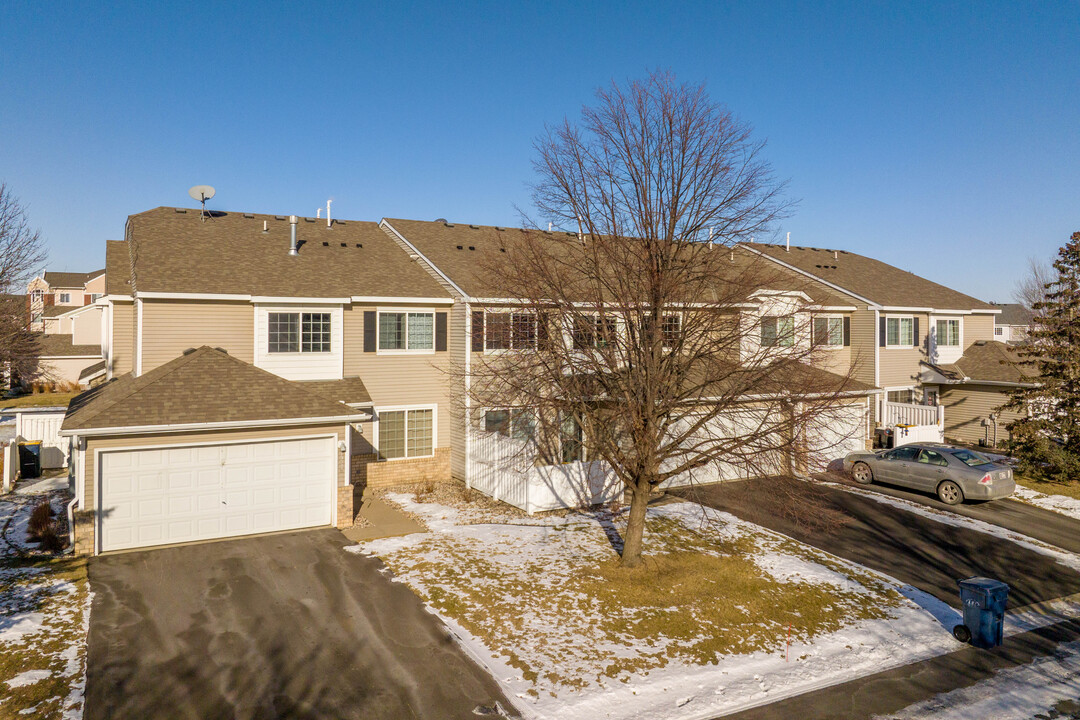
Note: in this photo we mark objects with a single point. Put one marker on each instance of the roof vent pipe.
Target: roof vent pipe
(292, 227)
(265, 228)
(328, 213)
(835, 255)
(787, 248)
(549, 226)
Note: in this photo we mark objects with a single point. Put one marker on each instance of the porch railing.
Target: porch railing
(905, 414)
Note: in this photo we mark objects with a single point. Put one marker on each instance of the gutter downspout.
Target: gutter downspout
(71, 526)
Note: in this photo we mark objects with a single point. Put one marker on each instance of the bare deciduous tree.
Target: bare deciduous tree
(648, 337)
(21, 250)
(1031, 288)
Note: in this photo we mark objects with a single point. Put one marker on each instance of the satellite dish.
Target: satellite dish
(202, 193)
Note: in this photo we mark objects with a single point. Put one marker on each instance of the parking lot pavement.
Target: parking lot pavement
(1054, 528)
(285, 625)
(916, 550)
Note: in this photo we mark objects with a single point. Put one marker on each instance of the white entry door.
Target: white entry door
(181, 494)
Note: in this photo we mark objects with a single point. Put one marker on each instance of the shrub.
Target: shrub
(50, 540)
(40, 520)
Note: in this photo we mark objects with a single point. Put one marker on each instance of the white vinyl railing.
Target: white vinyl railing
(905, 414)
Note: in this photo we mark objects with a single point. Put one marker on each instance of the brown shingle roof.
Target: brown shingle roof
(204, 386)
(176, 251)
(92, 370)
(70, 279)
(872, 279)
(57, 345)
(118, 268)
(990, 361)
(459, 251)
(1013, 314)
(57, 310)
(347, 390)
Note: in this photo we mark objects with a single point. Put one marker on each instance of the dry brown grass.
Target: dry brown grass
(45, 399)
(1048, 487)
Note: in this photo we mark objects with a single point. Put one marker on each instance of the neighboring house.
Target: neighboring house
(62, 362)
(974, 388)
(456, 254)
(901, 321)
(349, 316)
(61, 289)
(1012, 325)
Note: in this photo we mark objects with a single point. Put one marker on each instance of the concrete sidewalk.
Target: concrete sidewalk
(384, 520)
(893, 690)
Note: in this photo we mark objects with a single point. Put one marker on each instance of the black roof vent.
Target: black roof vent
(222, 350)
(471, 247)
(442, 220)
(475, 227)
(248, 215)
(447, 224)
(309, 219)
(182, 211)
(188, 351)
(325, 244)
(459, 247)
(279, 217)
(344, 244)
(359, 245)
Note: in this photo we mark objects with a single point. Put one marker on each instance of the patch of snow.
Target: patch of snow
(13, 628)
(1058, 503)
(29, 677)
(1017, 693)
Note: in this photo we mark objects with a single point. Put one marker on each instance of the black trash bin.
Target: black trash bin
(983, 600)
(30, 459)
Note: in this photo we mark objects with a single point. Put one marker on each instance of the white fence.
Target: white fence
(914, 423)
(44, 425)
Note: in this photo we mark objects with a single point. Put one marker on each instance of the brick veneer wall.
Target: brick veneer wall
(84, 532)
(406, 471)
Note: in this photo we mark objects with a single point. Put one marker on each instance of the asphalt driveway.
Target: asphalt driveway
(277, 626)
(916, 550)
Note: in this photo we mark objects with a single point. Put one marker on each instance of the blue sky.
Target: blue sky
(941, 137)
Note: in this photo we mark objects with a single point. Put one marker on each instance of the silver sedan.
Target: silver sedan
(955, 474)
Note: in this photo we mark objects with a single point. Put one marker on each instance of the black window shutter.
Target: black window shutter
(369, 331)
(440, 332)
(881, 333)
(543, 336)
(478, 331)
(847, 332)
(915, 333)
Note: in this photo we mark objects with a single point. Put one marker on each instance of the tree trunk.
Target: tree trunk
(635, 526)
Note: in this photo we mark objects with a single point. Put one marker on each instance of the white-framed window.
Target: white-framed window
(509, 330)
(516, 423)
(948, 332)
(406, 331)
(94, 297)
(65, 297)
(999, 331)
(406, 432)
(778, 331)
(293, 332)
(829, 331)
(906, 396)
(900, 332)
(592, 331)
(571, 439)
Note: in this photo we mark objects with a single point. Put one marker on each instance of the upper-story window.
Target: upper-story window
(510, 331)
(778, 331)
(290, 332)
(829, 331)
(900, 332)
(94, 297)
(592, 331)
(407, 331)
(65, 297)
(948, 333)
(999, 331)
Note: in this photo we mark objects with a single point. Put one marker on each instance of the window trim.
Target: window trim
(900, 346)
(63, 298)
(376, 429)
(813, 331)
(776, 344)
(379, 350)
(959, 332)
(512, 413)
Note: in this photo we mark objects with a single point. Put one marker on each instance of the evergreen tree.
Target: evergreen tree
(1047, 439)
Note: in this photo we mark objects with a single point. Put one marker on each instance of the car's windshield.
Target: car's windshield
(970, 458)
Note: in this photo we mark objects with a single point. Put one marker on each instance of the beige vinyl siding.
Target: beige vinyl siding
(123, 338)
(94, 444)
(863, 339)
(393, 380)
(978, 327)
(170, 327)
(899, 367)
(457, 344)
(65, 369)
(966, 406)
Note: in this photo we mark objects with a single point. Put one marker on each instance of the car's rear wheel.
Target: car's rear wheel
(950, 493)
(862, 473)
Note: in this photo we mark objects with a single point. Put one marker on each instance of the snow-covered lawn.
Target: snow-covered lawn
(44, 616)
(701, 629)
(1058, 503)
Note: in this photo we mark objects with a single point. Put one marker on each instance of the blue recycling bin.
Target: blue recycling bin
(984, 601)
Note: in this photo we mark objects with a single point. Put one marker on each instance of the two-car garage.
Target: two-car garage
(167, 495)
(208, 447)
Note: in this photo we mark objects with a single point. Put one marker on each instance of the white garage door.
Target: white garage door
(836, 433)
(181, 494)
